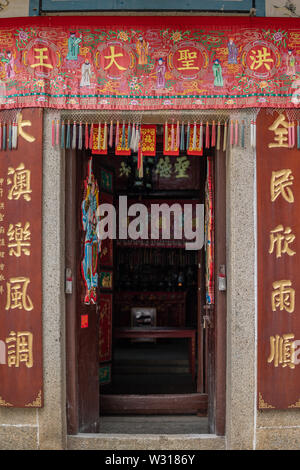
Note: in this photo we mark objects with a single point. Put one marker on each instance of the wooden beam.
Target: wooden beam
(160, 404)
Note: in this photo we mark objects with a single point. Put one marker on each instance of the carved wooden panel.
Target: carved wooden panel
(278, 288)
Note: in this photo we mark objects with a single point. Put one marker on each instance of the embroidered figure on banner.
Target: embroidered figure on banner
(89, 263)
(217, 70)
(232, 52)
(290, 63)
(160, 74)
(73, 46)
(142, 48)
(9, 64)
(86, 74)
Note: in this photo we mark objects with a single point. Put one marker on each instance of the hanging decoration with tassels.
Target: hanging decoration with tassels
(99, 146)
(171, 146)
(148, 139)
(196, 139)
(178, 136)
(122, 147)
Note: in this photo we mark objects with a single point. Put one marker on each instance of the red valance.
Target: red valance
(149, 63)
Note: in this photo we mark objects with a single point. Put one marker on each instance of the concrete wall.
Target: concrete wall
(14, 8)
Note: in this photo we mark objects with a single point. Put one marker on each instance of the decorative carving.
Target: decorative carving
(262, 403)
(295, 405)
(37, 403)
(4, 403)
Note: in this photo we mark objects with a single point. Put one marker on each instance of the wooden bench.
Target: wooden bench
(162, 332)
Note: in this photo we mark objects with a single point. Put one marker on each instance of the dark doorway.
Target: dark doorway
(163, 374)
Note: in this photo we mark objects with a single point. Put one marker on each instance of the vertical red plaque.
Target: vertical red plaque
(21, 372)
(278, 249)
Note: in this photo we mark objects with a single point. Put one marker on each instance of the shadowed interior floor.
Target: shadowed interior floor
(150, 368)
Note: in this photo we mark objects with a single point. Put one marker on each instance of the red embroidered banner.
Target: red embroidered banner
(171, 139)
(148, 63)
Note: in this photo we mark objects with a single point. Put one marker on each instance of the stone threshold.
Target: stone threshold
(145, 442)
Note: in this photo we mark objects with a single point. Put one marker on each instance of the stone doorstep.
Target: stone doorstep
(146, 442)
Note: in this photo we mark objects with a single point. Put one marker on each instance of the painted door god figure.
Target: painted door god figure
(142, 48)
(232, 52)
(73, 46)
(160, 74)
(217, 70)
(89, 263)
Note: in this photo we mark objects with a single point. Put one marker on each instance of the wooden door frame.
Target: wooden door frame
(72, 404)
(217, 398)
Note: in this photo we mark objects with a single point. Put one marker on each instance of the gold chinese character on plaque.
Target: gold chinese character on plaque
(17, 296)
(19, 239)
(280, 182)
(281, 238)
(21, 132)
(282, 350)
(280, 128)
(283, 296)
(20, 183)
(19, 348)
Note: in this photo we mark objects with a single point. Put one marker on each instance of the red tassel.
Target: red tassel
(207, 135)
(213, 134)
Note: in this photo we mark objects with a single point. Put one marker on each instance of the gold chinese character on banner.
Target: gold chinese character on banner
(17, 296)
(112, 58)
(19, 239)
(41, 57)
(280, 182)
(282, 350)
(261, 57)
(20, 183)
(281, 238)
(283, 296)
(280, 128)
(19, 348)
(187, 59)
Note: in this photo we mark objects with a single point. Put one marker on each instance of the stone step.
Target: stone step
(144, 369)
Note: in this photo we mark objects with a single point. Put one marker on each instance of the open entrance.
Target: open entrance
(146, 321)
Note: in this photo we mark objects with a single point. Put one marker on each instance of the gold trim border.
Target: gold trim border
(295, 405)
(262, 404)
(37, 403)
(4, 403)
